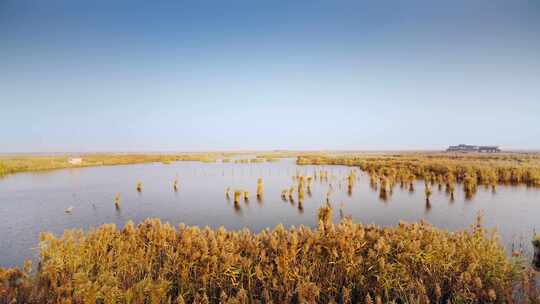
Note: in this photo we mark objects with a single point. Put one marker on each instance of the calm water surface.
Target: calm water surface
(35, 202)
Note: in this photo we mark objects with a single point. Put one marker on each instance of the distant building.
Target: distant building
(489, 149)
(462, 148)
(75, 160)
(471, 148)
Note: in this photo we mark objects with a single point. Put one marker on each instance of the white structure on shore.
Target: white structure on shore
(75, 160)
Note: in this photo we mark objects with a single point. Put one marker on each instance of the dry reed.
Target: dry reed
(237, 195)
(19, 163)
(335, 263)
(117, 201)
(259, 188)
(490, 170)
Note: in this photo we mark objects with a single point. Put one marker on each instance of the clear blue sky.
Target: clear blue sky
(199, 75)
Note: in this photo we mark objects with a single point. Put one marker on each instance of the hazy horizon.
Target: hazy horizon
(242, 75)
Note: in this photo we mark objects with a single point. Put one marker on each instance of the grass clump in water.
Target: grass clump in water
(117, 201)
(427, 191)
(237, 195)
(260, 190)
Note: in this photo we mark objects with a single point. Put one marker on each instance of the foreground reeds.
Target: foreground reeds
(339, 263)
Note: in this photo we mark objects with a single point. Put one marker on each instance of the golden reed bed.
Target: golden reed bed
(481, 168)
(334, 263)
(25, 163)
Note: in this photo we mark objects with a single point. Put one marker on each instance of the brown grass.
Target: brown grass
(25, 163)
(470, 170)
(486, 169)
(340, 263)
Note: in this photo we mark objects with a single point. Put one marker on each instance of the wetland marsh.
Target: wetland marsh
(35, 202)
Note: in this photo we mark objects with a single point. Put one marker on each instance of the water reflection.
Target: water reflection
(428, 205)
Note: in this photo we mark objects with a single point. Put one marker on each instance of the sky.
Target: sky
(85, 76)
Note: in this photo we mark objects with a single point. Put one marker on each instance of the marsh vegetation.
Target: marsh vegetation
(333, 263)
(293, 195)
(24, 163)
(471, 170)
